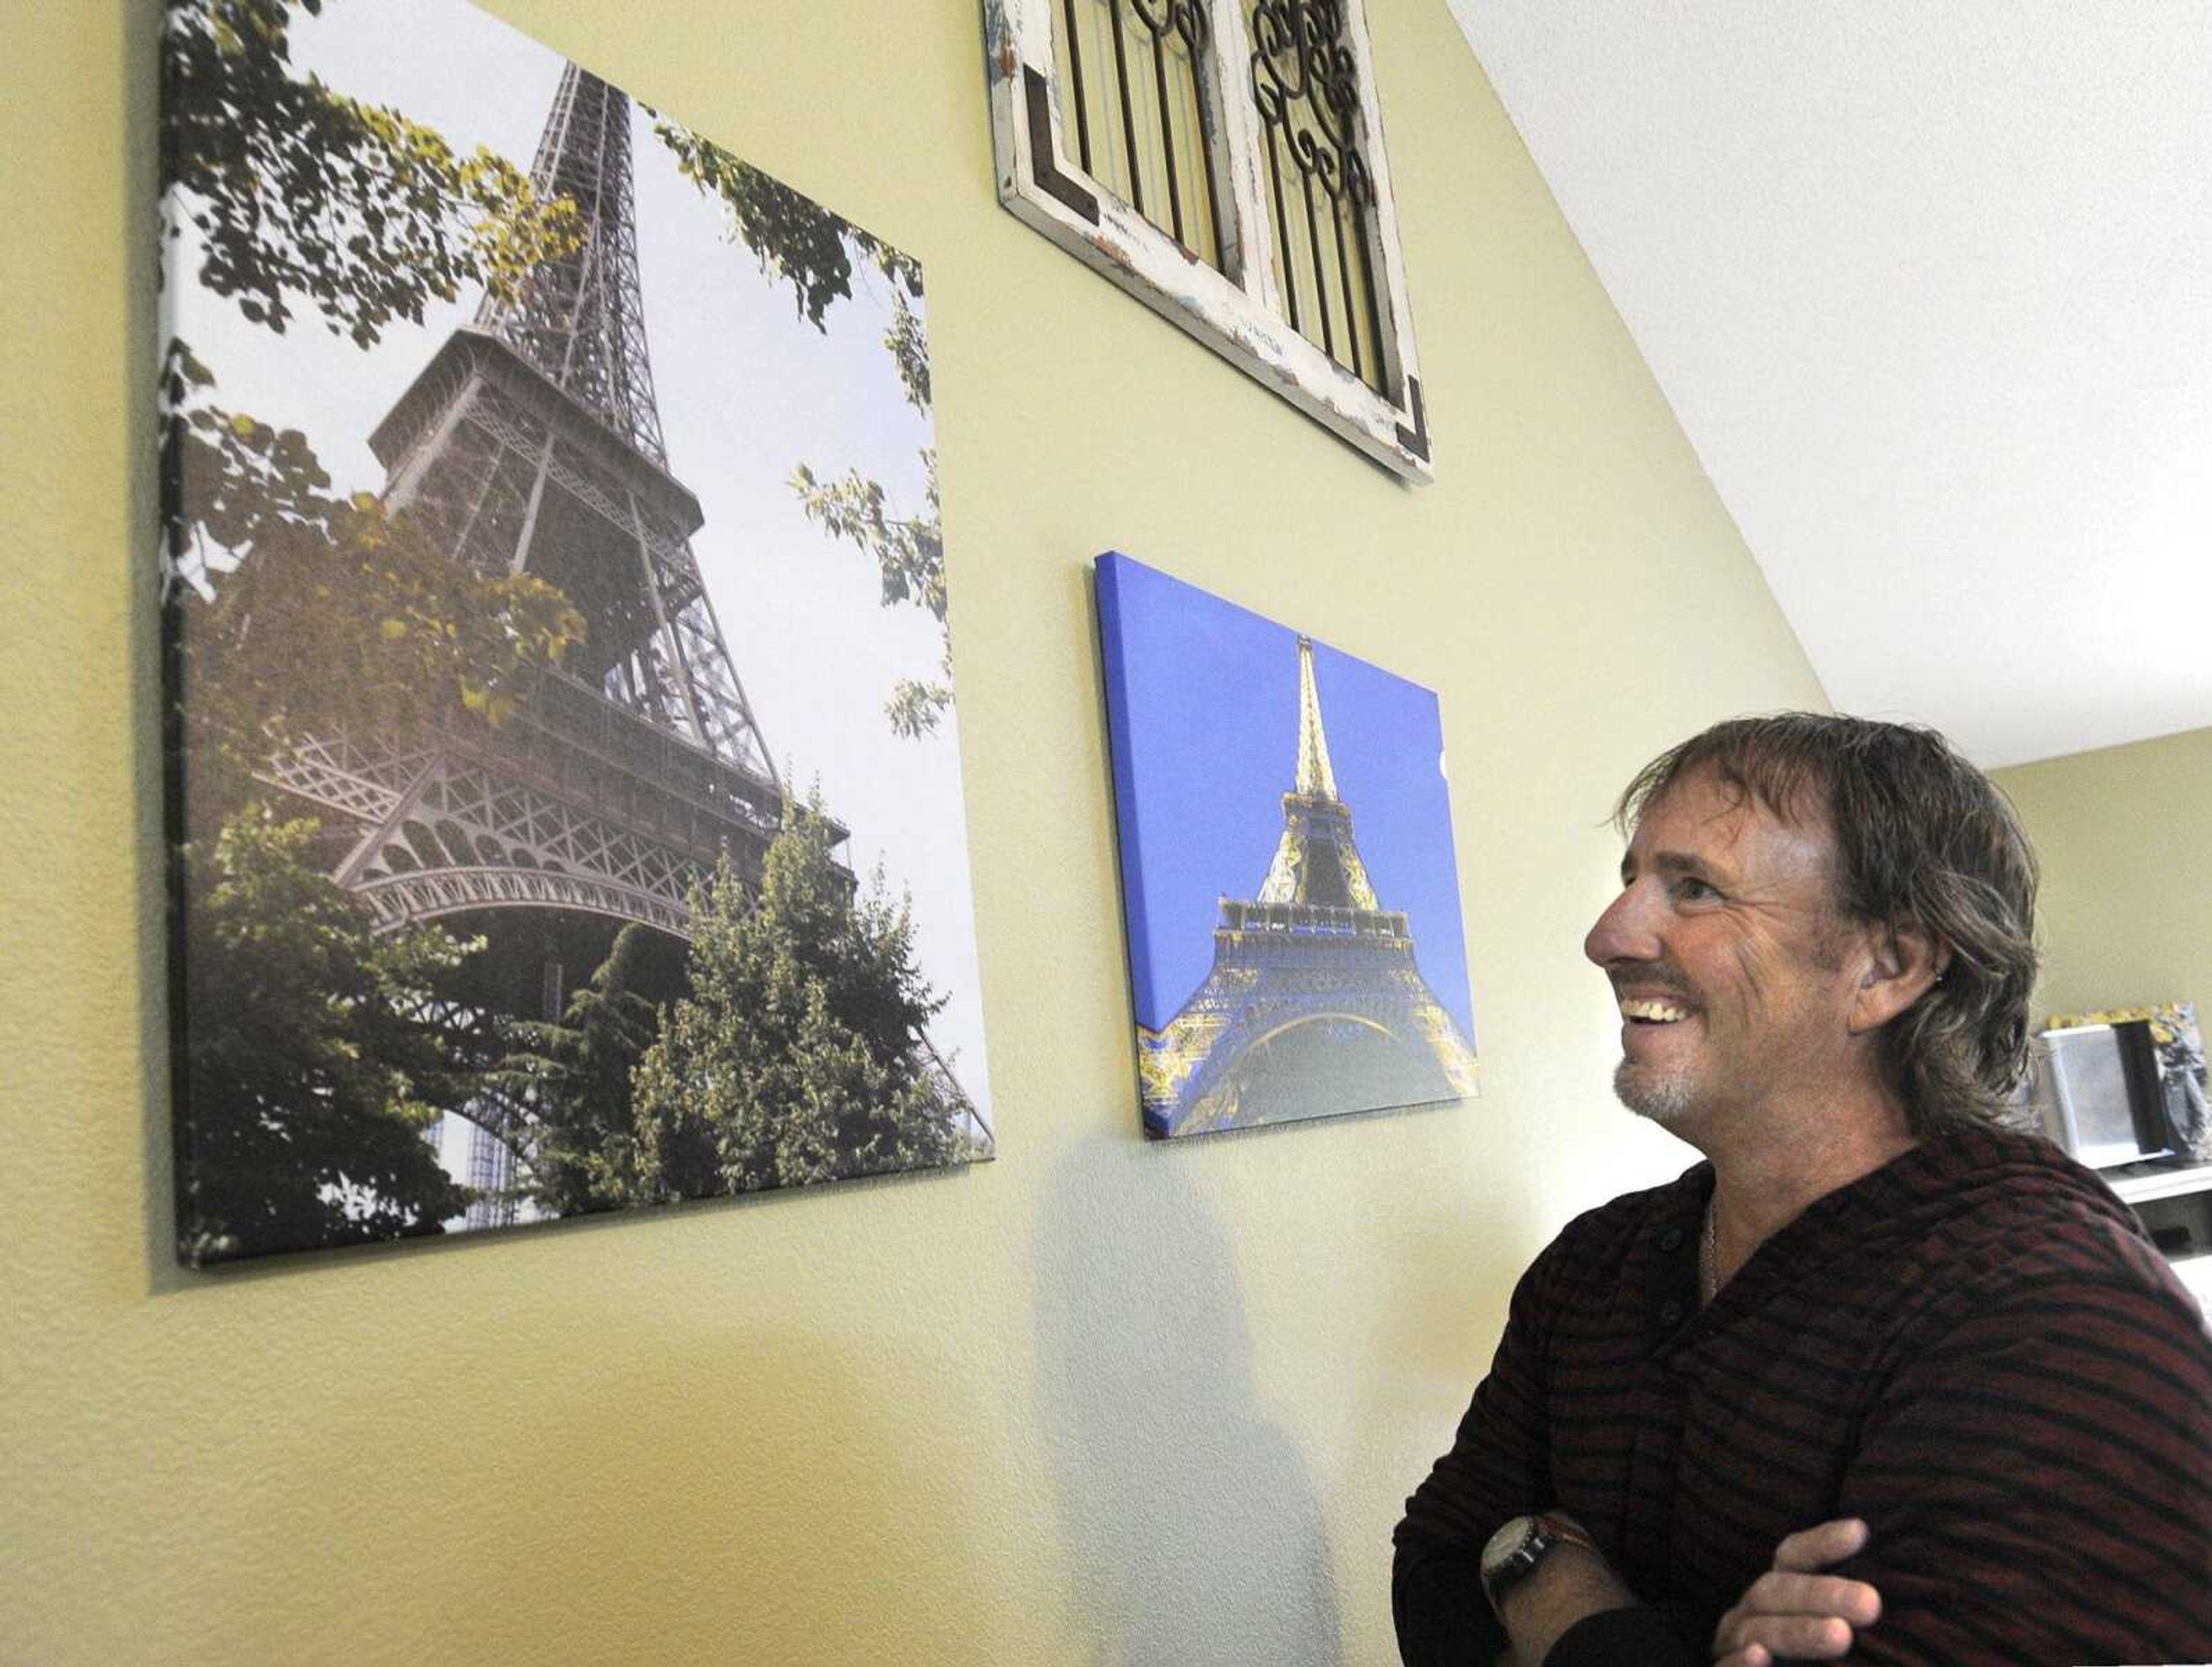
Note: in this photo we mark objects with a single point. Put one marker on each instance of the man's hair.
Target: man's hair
(1921, 838)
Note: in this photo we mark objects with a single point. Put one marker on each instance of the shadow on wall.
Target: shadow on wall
(1191, 1520)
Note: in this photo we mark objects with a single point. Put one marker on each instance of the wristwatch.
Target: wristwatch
(1516, 1550)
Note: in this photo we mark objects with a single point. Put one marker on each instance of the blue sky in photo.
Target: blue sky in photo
(1203, 700)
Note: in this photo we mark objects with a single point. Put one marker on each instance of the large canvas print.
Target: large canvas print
(1281, 966)
(565, 808)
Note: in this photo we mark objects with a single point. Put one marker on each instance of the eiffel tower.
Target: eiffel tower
(532, 443)
(1315, 1004)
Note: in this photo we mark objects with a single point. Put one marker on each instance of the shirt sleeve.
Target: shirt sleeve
(2037, 1484)
(1497, 1468)
(1633, 1637)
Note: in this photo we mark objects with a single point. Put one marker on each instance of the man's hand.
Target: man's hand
(1793, 1611)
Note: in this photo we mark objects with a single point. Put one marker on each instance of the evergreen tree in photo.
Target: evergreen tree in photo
(798, 1054)
(312, 1074)
(576, 1077)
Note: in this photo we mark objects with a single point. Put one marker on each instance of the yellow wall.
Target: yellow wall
(1099, 1401)
(2124, 835)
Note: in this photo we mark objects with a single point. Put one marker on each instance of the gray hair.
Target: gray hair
(1922, 838)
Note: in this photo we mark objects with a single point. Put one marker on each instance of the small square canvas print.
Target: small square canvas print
(565, 803)
(1273, 955)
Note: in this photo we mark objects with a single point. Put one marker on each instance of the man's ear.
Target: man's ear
(1903, 961)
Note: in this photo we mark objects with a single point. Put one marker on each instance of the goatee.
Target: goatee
(1664, 1097)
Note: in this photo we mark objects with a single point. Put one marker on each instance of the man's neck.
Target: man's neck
(1786, 1158)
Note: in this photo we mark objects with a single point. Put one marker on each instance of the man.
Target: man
(1882, 1380)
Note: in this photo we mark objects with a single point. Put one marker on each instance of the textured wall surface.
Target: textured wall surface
(1095, 1402)
(2124, 834)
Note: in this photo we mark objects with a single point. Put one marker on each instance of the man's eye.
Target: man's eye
(1689, 889)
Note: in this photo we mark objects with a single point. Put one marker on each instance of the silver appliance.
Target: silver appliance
(2097, 1092)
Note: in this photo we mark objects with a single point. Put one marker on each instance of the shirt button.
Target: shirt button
(1670, 1313)
(1671, 1239)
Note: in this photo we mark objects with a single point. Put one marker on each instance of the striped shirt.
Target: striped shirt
(1974, 1348)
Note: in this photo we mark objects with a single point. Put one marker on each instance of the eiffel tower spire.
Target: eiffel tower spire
(1315, 779)
(1315, 861)
(1314, 1003)
(579, 319)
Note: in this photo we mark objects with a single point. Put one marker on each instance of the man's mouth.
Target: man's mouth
(1650, 1010)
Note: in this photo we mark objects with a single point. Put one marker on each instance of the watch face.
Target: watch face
(1506, 1541)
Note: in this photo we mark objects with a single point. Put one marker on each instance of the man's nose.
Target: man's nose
(1624, 932)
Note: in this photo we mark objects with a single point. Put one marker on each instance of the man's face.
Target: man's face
(1728, 957)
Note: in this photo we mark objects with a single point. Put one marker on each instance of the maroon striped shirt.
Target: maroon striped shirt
(1974, 1348)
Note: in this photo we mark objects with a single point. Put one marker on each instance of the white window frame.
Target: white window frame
(1238, 312)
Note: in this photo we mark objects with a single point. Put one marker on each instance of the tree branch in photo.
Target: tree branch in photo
(799, 242)
(793, 237)
(909, 556)
(299, 192)
(298, 613)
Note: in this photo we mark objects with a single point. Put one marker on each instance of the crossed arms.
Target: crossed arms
(2032, 1483)
(1793, 1611)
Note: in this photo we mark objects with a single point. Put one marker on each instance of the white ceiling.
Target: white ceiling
(1929, 288)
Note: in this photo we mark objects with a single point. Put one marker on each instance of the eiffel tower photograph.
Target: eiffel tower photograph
(1273, 965)
(565, 805)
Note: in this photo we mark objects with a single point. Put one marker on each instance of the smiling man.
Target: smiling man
(1881, 1379)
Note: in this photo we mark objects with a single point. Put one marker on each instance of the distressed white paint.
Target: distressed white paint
(1240, 139)
(1238, 314)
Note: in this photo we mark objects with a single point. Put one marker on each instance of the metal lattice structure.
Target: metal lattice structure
(1315, 1002)
(532, 443)
(582, 320)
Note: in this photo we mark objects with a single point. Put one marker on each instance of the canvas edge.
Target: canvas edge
(171, 279)
(1109, 570)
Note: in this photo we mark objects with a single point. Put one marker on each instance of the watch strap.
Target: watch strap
(1567, 1532)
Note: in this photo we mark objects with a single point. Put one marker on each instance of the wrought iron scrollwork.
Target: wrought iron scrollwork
(1305, 86)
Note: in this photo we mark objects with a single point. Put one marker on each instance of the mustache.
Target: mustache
(1649, 978)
